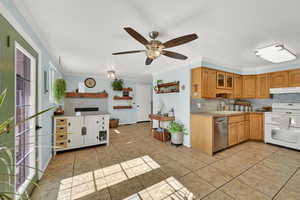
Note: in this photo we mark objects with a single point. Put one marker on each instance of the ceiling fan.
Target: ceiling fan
(155, 48)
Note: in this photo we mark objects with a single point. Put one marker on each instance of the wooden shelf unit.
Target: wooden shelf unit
(168, 85)
(86, 95)
(122, 107)
(122, 98)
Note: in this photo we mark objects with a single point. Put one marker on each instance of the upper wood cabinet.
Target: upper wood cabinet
(208, 83)
(294, 78)
(203, 83)
(237, 86)
(279, 79)
(229, 81)
(224, 80)
(263, 86)
(256, 126)
(249, 86)
(221, 80)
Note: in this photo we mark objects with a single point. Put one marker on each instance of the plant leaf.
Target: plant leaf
(2, 96)
(5, 130)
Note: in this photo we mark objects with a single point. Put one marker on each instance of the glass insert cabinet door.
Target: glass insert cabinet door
(25, 77)
(221, 76)
(229, 81)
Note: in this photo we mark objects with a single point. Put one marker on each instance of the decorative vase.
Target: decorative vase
(59, 111)
(177, 138)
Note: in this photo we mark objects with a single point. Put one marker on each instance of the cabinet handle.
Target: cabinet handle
(62, 120)
(97, 137)
(97, 122)
(83, 131)
(69, 124)
(61, 128)
(69, 141)
(61, 143)
(61, 136)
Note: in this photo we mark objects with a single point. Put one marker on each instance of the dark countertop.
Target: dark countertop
(215, 114)
(82, 114)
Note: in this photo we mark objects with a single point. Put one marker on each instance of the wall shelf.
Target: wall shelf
(86, 95)
(122, 98)
(171, 87)
(122, 107)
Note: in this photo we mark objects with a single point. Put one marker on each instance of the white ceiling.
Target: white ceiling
(85, 32)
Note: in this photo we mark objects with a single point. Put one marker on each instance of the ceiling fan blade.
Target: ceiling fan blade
(127, 52)
(175, 55)
(136, 35)
(148, 61)
(180, 40)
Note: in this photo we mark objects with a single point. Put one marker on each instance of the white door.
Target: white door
(143, 101)
(25, 104)
(75, 138)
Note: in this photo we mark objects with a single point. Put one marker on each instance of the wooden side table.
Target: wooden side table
(165, 135)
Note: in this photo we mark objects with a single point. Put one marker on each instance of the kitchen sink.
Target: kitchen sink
(225, 112)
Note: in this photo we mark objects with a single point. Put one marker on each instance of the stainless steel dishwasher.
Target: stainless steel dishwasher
(220, 133)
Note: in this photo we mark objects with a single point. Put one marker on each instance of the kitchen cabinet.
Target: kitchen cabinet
(236, 129)
(208, 83)
(249, 86)
(294, 78)
(221, 80)
(279, 79)
(74, 130)
(237, 86)
(229, 81)
(242, 136)
(203, 83)
(256, 126)
(233, 134)
(80, 131)
(262, 86)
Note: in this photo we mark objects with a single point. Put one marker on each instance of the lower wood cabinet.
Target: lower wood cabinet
(236, 130)
(232, 134)
(256, 126)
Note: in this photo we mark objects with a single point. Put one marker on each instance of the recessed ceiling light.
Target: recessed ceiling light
(275, 53)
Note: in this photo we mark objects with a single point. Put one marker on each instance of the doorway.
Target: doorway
(143, 102)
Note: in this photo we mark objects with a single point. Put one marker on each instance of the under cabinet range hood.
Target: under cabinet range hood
(285, 90)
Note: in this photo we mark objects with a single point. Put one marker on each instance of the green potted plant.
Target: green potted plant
(177, 131)
(117, 84)
(59, 92)
(113, 123)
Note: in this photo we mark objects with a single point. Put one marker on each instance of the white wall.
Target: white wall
(179, 101)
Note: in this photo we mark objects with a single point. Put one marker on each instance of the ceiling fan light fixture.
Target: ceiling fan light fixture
(276, 53)
(111, 74)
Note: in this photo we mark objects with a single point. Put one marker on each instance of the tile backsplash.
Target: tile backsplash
(211, 105)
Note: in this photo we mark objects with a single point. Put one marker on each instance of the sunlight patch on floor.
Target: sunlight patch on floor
(117, 131)
(168, 189)
(84, 184)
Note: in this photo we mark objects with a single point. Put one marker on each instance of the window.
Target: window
(24, 108)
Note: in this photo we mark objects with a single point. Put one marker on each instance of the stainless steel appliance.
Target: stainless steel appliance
(220, 133)
(282, 125)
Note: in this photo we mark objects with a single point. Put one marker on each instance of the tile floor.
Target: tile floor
(136, 166)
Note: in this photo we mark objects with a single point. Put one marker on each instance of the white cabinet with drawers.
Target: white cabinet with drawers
(80, 131)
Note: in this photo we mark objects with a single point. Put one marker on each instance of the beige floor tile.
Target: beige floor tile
(239, 190)
(286, 194)
(214, 176)
(96, 172)
(125, 189)
(260, 183)
(174, 169)
(196, 185)
(218, 195)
